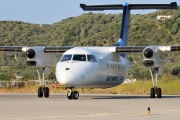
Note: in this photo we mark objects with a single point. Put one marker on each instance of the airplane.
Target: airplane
(97, 67)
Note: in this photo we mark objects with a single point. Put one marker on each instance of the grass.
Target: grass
(139, 87)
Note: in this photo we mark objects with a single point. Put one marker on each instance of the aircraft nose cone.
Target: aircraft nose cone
(68, 80)
(69, 76)
(64, 79)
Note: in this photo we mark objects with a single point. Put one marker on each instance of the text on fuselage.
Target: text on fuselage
(114, 78)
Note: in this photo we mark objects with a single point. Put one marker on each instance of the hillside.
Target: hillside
(92, 30)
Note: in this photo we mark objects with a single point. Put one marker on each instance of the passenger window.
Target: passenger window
(91, 58)
(79, 57)
(66, 58)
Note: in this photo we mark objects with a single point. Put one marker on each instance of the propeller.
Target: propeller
(148, 52)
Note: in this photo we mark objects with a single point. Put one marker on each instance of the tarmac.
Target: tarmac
(88, 107)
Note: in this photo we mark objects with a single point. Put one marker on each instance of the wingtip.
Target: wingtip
(82, 5)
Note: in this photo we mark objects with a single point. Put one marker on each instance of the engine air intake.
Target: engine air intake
(148, 63)
(31, 63)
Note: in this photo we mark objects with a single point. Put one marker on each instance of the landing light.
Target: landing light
(24, 49)
(165, 48)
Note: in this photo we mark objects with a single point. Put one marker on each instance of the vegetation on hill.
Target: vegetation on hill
(92, 30)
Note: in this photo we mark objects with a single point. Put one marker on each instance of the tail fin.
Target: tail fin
(125, 25)
(124, 33)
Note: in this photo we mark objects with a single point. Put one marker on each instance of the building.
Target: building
(163, 17)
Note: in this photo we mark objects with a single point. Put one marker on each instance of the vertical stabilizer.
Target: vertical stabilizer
(125, 25)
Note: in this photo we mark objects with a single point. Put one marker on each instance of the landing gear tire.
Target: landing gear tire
(46, 92)
(69, 95)
(40, 92)
(152, 93)
(155, 90)
(72, 95)
(159, 93)
(75, 95)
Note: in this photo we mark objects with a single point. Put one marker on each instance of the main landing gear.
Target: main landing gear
(72, 94)
(155, 90)
(42, 90)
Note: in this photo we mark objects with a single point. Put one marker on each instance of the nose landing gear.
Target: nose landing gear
(72, 94)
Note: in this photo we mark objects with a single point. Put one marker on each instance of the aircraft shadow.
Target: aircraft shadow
(133, 97)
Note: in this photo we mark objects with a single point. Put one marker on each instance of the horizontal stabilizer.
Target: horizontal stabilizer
(173, 5)
(100, 7)
(85, 7)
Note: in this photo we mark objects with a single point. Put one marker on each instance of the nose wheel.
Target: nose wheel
(72, 94)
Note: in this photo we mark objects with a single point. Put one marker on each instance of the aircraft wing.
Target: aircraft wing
(61, 49)
(52, 49)
(11, 48)
(129, 49)
(153, 56)
(38, 56)
(57, 49)
(137, 49)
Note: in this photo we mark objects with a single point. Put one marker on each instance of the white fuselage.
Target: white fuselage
(107, 69)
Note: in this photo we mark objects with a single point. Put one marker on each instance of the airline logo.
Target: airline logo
(114, 78)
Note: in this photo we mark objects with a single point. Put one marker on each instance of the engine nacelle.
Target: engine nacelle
(37, 58)
(153, 57)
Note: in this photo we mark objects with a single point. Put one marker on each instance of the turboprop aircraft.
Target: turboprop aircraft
(97, 67)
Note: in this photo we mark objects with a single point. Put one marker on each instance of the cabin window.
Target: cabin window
(79, 57)
(66, 58)
(91, 58)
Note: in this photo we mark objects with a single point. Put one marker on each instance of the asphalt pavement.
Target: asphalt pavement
(88, 107)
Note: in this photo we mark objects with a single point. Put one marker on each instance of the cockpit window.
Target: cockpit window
(66, 58)
(79, 57)
(91, 58)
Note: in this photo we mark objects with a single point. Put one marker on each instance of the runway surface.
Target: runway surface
(88, 107)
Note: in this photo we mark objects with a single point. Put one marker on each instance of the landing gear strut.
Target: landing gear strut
(42, 89)
(72, 94)
(155, 89)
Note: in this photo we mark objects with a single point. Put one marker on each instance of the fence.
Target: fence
(19, 84)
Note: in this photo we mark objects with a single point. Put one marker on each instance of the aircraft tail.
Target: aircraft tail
(125, 25)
